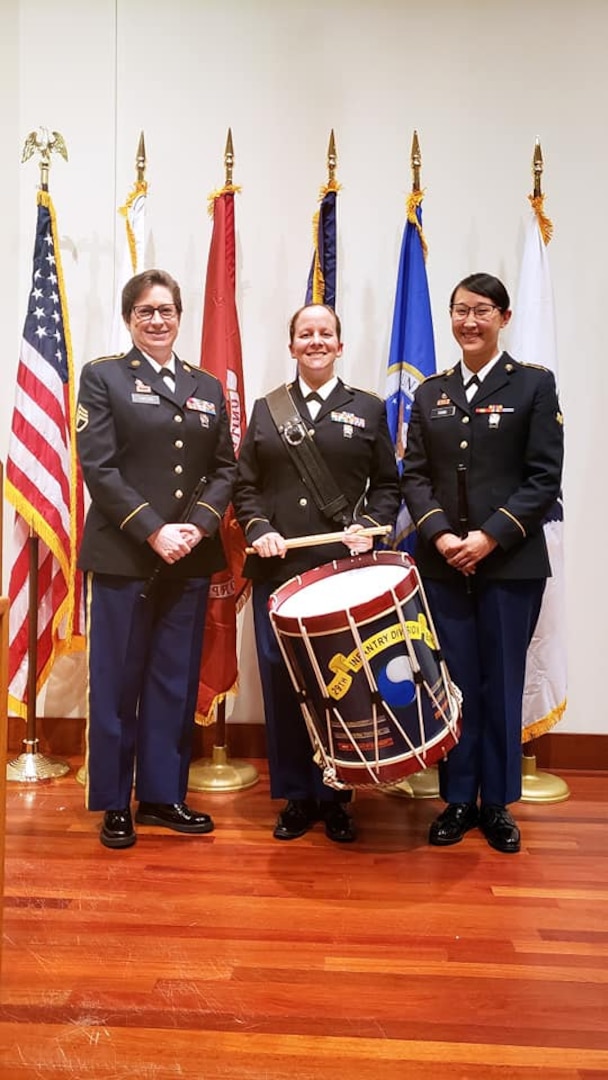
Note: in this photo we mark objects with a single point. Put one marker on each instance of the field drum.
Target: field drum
(360, 646)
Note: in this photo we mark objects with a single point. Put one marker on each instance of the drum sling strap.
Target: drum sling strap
(305, 455)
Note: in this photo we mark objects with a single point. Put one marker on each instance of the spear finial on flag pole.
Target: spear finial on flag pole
(140, 160)
(537, 169)
(537, 199)
(416, 160)
(43, 483)
(332, 160)
(229, 158)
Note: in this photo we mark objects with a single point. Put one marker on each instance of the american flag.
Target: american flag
(42, 478)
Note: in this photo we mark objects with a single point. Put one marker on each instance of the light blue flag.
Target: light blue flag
(412, 350)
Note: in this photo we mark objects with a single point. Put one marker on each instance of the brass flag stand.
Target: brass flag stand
(220, 773)
(31, 765)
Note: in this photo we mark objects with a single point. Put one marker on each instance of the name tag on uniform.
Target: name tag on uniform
(444, 410)
(200, 405)
(145, 398)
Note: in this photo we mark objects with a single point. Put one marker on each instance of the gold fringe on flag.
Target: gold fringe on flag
(318, 281)
(545, 224)
(414, 200)
(140, 187)
(542, 726)
(228, 189)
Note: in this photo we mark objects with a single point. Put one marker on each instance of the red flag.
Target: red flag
(221, 355)
(43, 481)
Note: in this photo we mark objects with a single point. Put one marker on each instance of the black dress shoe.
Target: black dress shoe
(453, 823)
(117, 829)
(296, 819)
(176, 816)
(499, 828)
(339, 825)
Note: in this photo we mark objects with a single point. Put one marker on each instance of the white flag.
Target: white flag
(134, 212)
(533, 341)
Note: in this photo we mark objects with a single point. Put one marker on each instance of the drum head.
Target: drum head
(320, 598)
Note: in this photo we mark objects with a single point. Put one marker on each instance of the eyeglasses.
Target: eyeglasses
(143, 313)
(460, 312)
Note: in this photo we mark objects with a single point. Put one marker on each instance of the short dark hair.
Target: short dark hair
(296, 316)
(141, 282)
(484, 285)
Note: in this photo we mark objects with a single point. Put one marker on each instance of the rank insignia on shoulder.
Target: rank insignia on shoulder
(82, 418)
(559, 417)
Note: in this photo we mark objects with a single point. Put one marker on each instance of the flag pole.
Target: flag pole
(116, 344)
(424, 784)
(31, 765)
(538, 786)
(219, 773)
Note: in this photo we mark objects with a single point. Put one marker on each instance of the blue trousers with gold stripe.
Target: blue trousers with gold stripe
(144, 664)
(484, 636)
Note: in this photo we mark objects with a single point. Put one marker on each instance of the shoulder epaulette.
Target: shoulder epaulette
(191, 370)
(539, 367)
(113, 356)
(438, 374)
(360, 390)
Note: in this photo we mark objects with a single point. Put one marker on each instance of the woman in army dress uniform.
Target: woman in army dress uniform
(482, 468)
(273, 503)
(150, 428)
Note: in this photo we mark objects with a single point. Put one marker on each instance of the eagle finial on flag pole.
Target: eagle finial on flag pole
(45, 143)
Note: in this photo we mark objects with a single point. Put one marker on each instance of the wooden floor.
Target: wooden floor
(236, 957)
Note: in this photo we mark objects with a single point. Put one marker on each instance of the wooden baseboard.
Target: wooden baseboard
(65, 738)
(59, 737)
(568, 751)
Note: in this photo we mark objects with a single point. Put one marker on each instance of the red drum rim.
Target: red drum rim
(361, 612)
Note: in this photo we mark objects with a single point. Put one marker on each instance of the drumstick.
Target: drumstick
(328, 538)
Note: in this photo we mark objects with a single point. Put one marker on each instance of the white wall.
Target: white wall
(479, 80)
